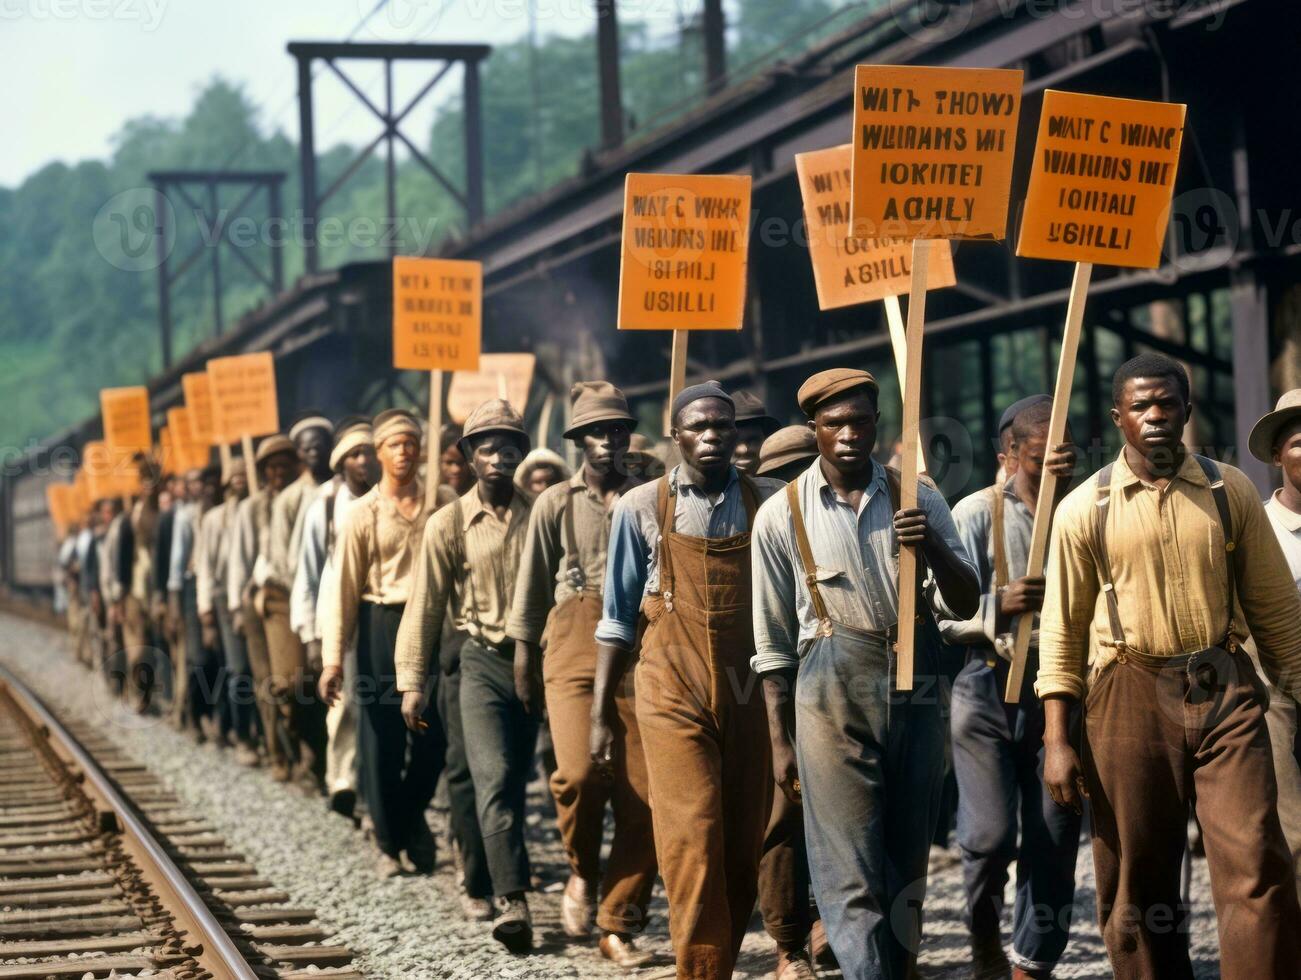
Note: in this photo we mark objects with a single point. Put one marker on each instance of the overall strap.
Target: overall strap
(1221, 496)
(806, 553)
(329, 523)
(749, 498)
(1104, 558)
(1000, 545)
(573, 566)
(668, 518)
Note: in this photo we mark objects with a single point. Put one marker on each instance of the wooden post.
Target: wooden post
(912, 413)
(224, 454)
(503, 392)
(434, 451)
(899, 344)
(250, 465)
(677, 375)
(1043, 514)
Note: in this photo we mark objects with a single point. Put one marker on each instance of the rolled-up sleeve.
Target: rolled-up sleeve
(625, 579)
(1070, 599)
(535, 588)
(772, 572)
(940, 520)
(422, 620)
(974, 522)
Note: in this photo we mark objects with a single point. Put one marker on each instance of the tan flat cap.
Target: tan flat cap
(1265, 432)
(596, 401)
(828, 384)
(792, 444)
(273, 445)
(236, 467)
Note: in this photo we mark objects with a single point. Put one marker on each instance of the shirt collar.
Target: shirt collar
(1289, 519)
(578, 484)
(1190, 471)
(473, 506)
(820, 479)
(680, 480)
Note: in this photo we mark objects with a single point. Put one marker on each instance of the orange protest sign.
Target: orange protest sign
(198, 406)
(437, 314)
(848, 271)
(189, 454)
(60, 498)
(82, 486)
(933, 151)
(109, 473)
(684, 252)
(243, 396)
(499, 375)
(167, 462)
(1102, 180)
(126, 419)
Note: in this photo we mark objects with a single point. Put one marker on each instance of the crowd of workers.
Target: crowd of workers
(704, 631)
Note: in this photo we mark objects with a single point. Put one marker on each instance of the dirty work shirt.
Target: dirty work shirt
(632, 569)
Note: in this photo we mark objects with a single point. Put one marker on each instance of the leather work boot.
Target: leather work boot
(513, 927)
(622, 952)
(576, 908)
(988, 960)
(1020, 974)
(820, 946)
(421, 852)
(476, 909)
(793, 964)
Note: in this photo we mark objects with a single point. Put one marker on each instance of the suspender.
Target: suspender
(573, 567)
(329, 523)
(1221, 497)
(668, 491)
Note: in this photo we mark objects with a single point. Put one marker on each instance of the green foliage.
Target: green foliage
(72, 322)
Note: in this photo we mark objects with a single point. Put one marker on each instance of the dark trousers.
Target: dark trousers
(1156, 731)
(998, 758)
(871, 763)
(784, 898)
(399, 769)
(460, 786)
(235, 678)
(202, 698)
(499, 742)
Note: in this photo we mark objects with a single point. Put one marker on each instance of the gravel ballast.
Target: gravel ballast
(412, 926)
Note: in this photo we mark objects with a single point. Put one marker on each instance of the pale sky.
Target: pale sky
(73, 71)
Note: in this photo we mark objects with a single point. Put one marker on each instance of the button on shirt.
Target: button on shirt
(479, 581)
(544, 579)
(1168, 566)
(632, 569)
(974, 516)
(286, 518)
(854, 554)
(1287, 528)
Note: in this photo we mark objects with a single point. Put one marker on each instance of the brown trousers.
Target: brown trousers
(1159, 732)
(580, 791)
(137, 644)
(259, 666)
(705, 733)
(295, 703)
(788, 913)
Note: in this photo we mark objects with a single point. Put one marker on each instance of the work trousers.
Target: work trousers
(259, 664)
(499, 741)
(77, 624)
(341, 732)
(871, 763)
(1159, 731)
(581, 790)
(234, 678)
(143, 659)
(784, 897)
(300, 714)
(202, 698)
(399, 768)
(1281, 718)
(460, 784)
(998, 757)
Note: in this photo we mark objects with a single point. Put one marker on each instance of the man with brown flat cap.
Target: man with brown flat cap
(753, 425)
(471, 555)
(682, 544)
(248, 565)
(865, 761)
(553, 620)
(1276, 439)
(375, 557)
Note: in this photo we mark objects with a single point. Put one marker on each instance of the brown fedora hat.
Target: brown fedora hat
(1265, 432)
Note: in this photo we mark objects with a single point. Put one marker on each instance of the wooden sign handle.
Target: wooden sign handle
(677, 374)
(1043, 514)
(899, 344)
(912, 412)
(250, 466)
(434, 452)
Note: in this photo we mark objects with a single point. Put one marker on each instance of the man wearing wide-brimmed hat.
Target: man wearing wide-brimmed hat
(1276, 439)
(276, 461)
(470, 555)
(553, 618)
(754, 424)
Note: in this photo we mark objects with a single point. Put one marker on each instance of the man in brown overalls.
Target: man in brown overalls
(559, 589)
(683, 542)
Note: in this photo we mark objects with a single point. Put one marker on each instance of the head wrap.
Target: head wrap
(694, 393)
(541, 456)
(271, 446)
(352, 437)
(394, 422)
(310, 422)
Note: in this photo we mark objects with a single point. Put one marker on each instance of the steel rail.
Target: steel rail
(219, 954)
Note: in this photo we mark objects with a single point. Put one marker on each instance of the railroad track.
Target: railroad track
(103, 872)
